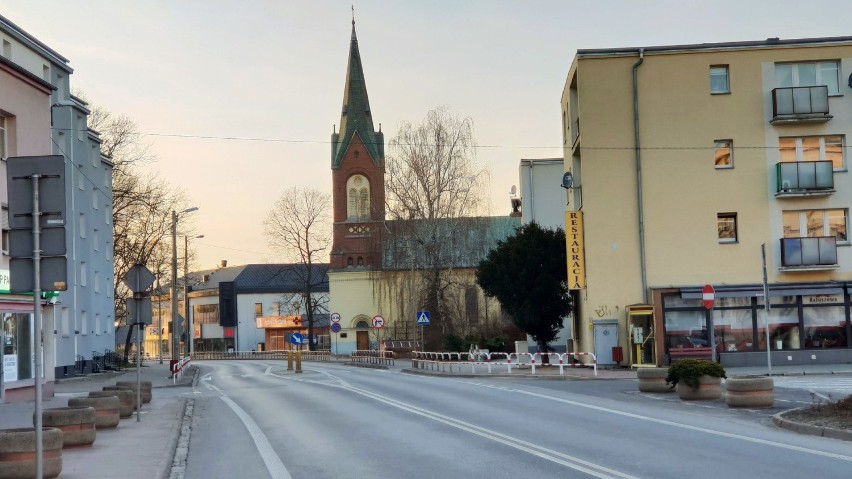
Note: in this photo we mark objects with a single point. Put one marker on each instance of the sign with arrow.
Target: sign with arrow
(423, 318)
(297, 339)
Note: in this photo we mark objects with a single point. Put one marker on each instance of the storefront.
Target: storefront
(808, 323)
(277, 331)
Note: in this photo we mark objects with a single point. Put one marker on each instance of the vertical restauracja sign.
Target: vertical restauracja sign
(574, 246)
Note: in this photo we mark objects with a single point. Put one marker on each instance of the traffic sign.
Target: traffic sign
(335, 317)
(378, 322)
(708, 296)
(296, 339)
(335, 327)
(423, 318)
(139, 278)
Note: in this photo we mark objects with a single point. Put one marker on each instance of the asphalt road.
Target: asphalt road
(255, 419)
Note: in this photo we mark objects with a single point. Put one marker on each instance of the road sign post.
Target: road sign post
(423, 319)
(139, 279)
(708, 297)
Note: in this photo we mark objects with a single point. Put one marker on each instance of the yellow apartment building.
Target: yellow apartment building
(683, 161)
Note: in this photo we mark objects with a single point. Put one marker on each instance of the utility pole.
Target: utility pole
(190, 326)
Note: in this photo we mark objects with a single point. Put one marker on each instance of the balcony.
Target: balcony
(804, 178)
(800, 104)
(808, 254)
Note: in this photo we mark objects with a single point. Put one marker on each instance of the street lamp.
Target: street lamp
(175, 319)
(190, 334)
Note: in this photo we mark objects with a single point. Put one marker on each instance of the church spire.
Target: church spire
(355, 116)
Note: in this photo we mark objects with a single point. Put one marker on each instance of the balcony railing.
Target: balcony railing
(800, 103)
(804, 177)
(808, 252)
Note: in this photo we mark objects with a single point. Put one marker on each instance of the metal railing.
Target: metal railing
(448, 361)
(816, 251)
(322, 355)
(365, 356)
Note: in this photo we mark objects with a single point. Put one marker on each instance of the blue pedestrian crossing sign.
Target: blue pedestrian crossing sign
(297, 339)
(423, 318)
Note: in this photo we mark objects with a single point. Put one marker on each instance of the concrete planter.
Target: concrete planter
(18, 453)
(653, 380)
(750, 391)
(126, 398)
(709, 388)
(106, 409)
(146, 389)
(76, 423)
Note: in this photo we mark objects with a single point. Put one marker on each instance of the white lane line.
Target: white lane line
(688, 427)
(557, 457)
(273, 463)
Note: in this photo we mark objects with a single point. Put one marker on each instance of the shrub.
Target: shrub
(689, 370)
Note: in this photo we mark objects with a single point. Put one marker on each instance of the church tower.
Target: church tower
(358, 175)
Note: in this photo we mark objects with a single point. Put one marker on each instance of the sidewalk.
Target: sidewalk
(132, 450)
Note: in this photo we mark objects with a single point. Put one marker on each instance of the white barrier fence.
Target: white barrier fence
(442, 361)
(178, 367)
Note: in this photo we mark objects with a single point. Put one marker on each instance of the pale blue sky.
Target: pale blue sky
(274, 69)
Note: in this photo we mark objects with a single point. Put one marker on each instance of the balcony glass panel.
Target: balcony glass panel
(803, 100)
(805, 175)
(818, 251)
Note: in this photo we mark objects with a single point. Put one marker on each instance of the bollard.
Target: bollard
(298, 361)
(289, 360)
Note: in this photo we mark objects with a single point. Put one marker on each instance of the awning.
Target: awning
(748, 291)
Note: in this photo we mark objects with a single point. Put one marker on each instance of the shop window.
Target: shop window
(17, 346)
(784, 332)
(825, 327)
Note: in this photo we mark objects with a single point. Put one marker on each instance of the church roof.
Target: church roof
(355, 116)
(462, 242)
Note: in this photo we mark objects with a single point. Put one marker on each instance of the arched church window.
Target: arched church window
(362, 325)
(360, 261)
(358, 189)
(349, 262)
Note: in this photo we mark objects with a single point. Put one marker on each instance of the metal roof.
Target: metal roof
(744, 45)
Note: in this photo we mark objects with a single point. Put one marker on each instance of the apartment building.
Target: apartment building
(684, 161)
(78, 322)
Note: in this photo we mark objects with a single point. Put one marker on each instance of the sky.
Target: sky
(238, 98)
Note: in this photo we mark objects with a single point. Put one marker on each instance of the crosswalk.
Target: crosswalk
(827, 383)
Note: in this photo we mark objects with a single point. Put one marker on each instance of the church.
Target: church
(377, 272)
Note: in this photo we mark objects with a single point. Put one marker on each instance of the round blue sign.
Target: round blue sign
(296, 339)
(335, 327)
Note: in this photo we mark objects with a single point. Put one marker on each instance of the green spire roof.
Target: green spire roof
(356, 116)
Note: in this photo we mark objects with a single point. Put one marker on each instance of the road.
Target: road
(255, 419)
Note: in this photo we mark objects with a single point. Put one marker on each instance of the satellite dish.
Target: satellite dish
(514, 190)
(567, 180)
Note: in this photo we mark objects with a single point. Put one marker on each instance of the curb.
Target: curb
(367, 365)
(167, 471)
(801, 428)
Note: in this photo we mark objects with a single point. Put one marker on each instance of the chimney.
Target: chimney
(223, 263)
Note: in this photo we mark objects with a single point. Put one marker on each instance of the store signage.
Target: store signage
(574, 249)
(823, 299)
(10, 367)
(272, 322)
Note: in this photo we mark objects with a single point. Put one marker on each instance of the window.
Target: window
(358, 189)
(723, 153)
(95, 156)
(84, 272)
(97, 279)
(45, 73)
(97, 324)
(81, 128)
(813, 148)
(727, 224)
(4, 139)
(816, 223)
(258, 310)
(205, 314)
(66, 322)
(809, 74)
(95, 204)
(719, 79)
(81, 183)
(84, 323)
(82, 225)
(96, 240)
(7, 49)
(5, 246)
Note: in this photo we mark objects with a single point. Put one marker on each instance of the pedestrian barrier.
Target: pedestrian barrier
(365, 356)
(321, 355)
(445, 362)
(177, 368)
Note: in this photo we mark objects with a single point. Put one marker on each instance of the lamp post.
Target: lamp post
(160, 316)
(190, 326)
(175, 319)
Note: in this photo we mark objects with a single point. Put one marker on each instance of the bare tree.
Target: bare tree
(299, 227)
(433, 183)
(141, 205)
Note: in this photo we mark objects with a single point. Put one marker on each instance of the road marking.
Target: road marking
(273, 463)
(688, 427)
(566, 460)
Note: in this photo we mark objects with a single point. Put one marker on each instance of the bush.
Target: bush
(455, 343)
(689, 370)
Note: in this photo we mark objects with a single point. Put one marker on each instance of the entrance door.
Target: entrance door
(362, 340)
(606, 338)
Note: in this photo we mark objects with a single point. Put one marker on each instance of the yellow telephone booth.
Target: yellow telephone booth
(640, 330)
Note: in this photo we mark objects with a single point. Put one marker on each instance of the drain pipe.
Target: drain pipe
(638, 154)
